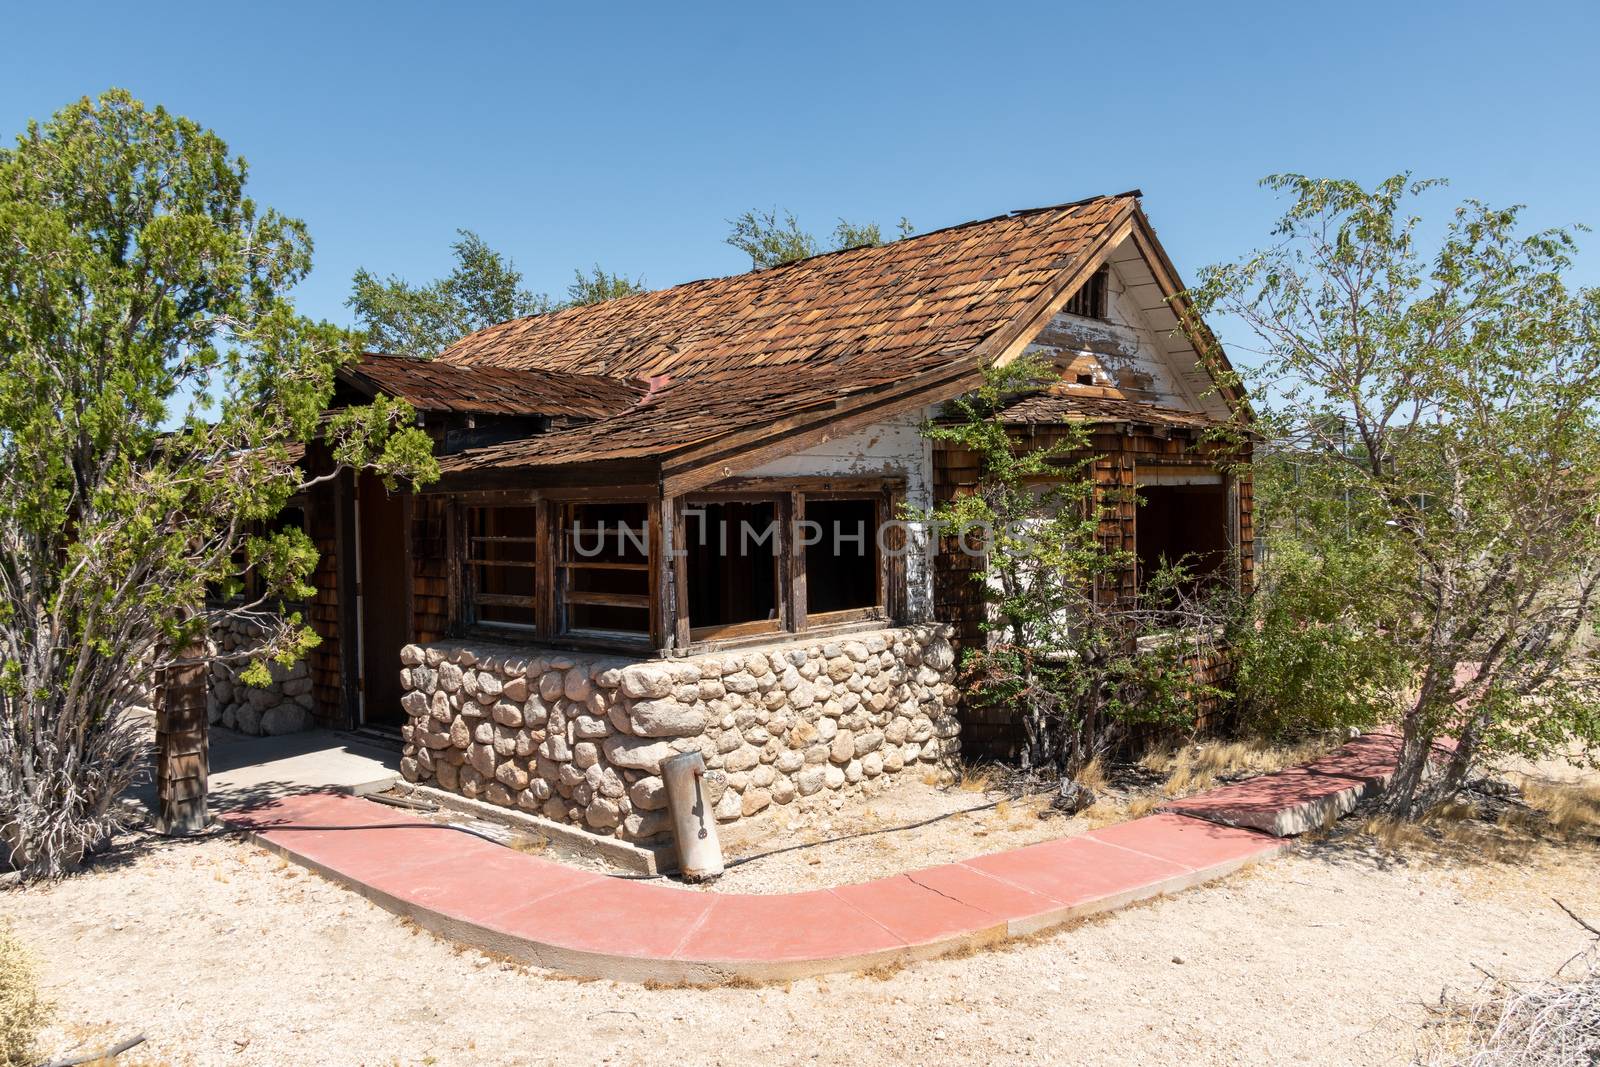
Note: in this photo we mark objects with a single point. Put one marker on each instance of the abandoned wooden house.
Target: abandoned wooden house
(564, 609)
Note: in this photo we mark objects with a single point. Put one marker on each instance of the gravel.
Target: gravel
(224, 954)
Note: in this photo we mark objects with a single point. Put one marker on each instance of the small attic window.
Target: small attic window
(1085, 379)
(1090, 300)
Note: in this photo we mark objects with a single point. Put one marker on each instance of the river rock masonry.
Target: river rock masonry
(579, 738)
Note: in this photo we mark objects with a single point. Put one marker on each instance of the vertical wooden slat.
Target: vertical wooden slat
(408, 505)
(661, 626)
(797, 563)
(349, 615)
(679, 609)
(891, 558)
(785, 563)
(182, 748)
(547, 522)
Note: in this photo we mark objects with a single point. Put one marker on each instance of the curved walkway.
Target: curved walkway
(580, 922)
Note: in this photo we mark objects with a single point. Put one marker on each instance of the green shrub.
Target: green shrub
(1311, 650)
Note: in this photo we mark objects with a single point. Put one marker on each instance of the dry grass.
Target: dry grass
(1572, 809)
(531, 845)
(973, 779)
(1197, 767)
(1094, 776)
(23, 1011)
(1139, 807)
(1453, 833)
(1552, 1023)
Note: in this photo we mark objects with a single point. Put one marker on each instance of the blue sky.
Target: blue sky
(567, 137)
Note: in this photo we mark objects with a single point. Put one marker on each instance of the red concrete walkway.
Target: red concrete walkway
(577, 921)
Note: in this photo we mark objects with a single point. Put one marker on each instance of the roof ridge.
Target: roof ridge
(622, 301)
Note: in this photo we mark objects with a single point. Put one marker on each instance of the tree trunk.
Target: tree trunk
(1400, 799)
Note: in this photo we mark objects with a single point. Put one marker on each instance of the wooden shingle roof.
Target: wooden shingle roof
(949, 288)
(429, 385)
(767, 348)
(1064, 405)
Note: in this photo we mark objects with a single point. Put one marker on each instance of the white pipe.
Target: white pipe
(693, 825)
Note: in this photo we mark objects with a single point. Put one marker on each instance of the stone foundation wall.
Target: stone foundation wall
(580, 738)
(283, 707)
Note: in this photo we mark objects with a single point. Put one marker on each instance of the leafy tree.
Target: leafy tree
(1077, 662)
(484, 288)
(141, 288)
(1443, 404)
(597, 287)
(770, 242)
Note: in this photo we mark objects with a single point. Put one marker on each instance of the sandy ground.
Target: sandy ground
(223, 954)
(914, 821)
(877, 837)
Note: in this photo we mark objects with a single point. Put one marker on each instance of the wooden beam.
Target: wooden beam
(598, 475)
(817, 485)
(659, 624)
(345, 550)
(688, 478)
(795, 555)
(734, 443)
(408, 502)
(182, 748)
(677, 608)
(547, 553)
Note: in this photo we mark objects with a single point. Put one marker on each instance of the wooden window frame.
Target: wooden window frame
(666, 604)
(794, 619)
(879, 609)
(562, 568)
(781, 576)
(464, 597)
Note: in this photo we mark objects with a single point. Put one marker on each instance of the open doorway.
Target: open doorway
(1185, 523)
(381, 592)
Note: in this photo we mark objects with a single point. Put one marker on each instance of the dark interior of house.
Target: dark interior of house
(842, 565)
(1185, 524)
(607, 567)
(732, 563)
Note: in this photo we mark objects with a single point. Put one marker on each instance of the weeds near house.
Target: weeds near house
(23, 1012)
(1569, 809)
(1077, 660)
(1093, 775)
(1198, 767)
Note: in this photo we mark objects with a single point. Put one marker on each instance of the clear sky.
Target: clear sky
(629, 135)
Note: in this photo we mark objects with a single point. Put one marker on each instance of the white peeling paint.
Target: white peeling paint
(892, 448)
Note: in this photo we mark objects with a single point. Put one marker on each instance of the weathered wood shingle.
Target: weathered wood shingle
(729, 354)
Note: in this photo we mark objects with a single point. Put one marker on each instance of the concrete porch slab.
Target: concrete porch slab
(247, 771)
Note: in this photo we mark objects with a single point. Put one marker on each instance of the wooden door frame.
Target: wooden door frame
(362, 601)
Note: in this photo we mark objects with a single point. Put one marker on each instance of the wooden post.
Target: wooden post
(182, 752)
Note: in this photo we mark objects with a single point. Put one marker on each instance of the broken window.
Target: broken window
(1090, 299)
(731, 556)
(841, 551)
(502, 564)
(605, 569)
(1184, 523)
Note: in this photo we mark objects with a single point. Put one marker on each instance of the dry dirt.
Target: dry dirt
(915, 821)
(223, 954)
(879, 836)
